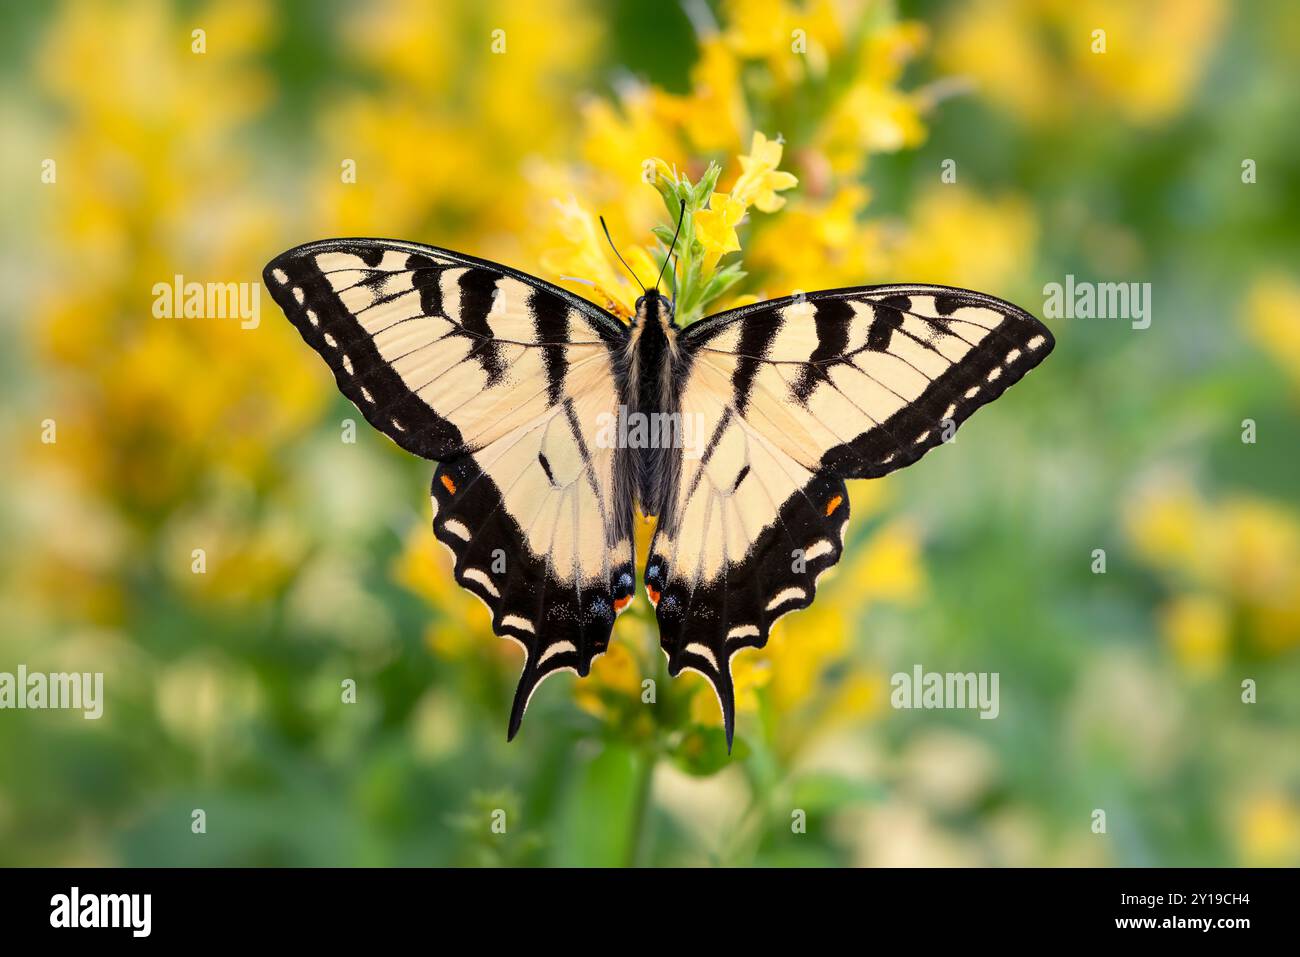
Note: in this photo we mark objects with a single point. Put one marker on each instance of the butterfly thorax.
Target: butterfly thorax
(651, 401)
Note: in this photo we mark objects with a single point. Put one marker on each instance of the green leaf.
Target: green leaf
(722, 280)
(707, 184)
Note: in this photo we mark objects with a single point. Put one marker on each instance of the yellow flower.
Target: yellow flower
(1196, 628)
(1164, 523)
(713, 114)
(1270, 312)
(715, 228)
(1268, 831)
(760, 180)
(582, 253)
(464, 626)
(617, 672)
(938, 245)
(819, 245)
(1243, 553)
(889, 567)
(1050, 65)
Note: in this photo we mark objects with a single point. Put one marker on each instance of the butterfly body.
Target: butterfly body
(650, 398)
(509, 383)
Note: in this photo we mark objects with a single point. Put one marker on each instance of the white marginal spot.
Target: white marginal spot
(742, 631)
(922, 437)
(297, 295)
(785, 595)
(994, 374)
(1013, 355)
(1037, 341)
(347, 364)
(331, 341)
(279, 276)
(951, 410)
(365, 394)
(972, 392)
(695, 648)
(311, 317)
(434, 499)
(480, 576)
(397, 425)
(457, 529)
(818, 549)
(559, 648)
(514, 621)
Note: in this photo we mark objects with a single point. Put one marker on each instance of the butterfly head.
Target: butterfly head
(655, 307)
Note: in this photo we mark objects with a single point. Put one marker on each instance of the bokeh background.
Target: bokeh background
(1120, 691)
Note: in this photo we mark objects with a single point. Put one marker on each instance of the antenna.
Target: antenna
(620, 257)
(680, 216)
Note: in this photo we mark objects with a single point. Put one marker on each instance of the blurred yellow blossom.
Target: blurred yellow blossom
(937, 245)
(1051, 61)
(1243, 552)
(873, 115)
(889, 566)
(1272, 318)
(713, 115)
(582, 253)
(1268, 830)
(1197, 629)
(464, 625)
(820, 244)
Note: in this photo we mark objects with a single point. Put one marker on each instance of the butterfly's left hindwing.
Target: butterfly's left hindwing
(795, 396)
(499, 377)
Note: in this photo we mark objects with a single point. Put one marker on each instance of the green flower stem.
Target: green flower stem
(638, 842)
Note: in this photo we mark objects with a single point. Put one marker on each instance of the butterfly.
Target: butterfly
(511, 384)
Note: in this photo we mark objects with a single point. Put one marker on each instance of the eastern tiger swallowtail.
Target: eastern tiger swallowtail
(505, 381)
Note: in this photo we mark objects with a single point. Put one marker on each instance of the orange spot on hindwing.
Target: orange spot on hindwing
(621, 603)
(450, 485)
(834, 503)
(653, 593)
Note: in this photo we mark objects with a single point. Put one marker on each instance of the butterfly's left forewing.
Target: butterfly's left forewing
(501, 378)
(795, 396)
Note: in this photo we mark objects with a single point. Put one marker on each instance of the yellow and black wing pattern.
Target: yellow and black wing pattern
(796, 396)
(498, 376)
